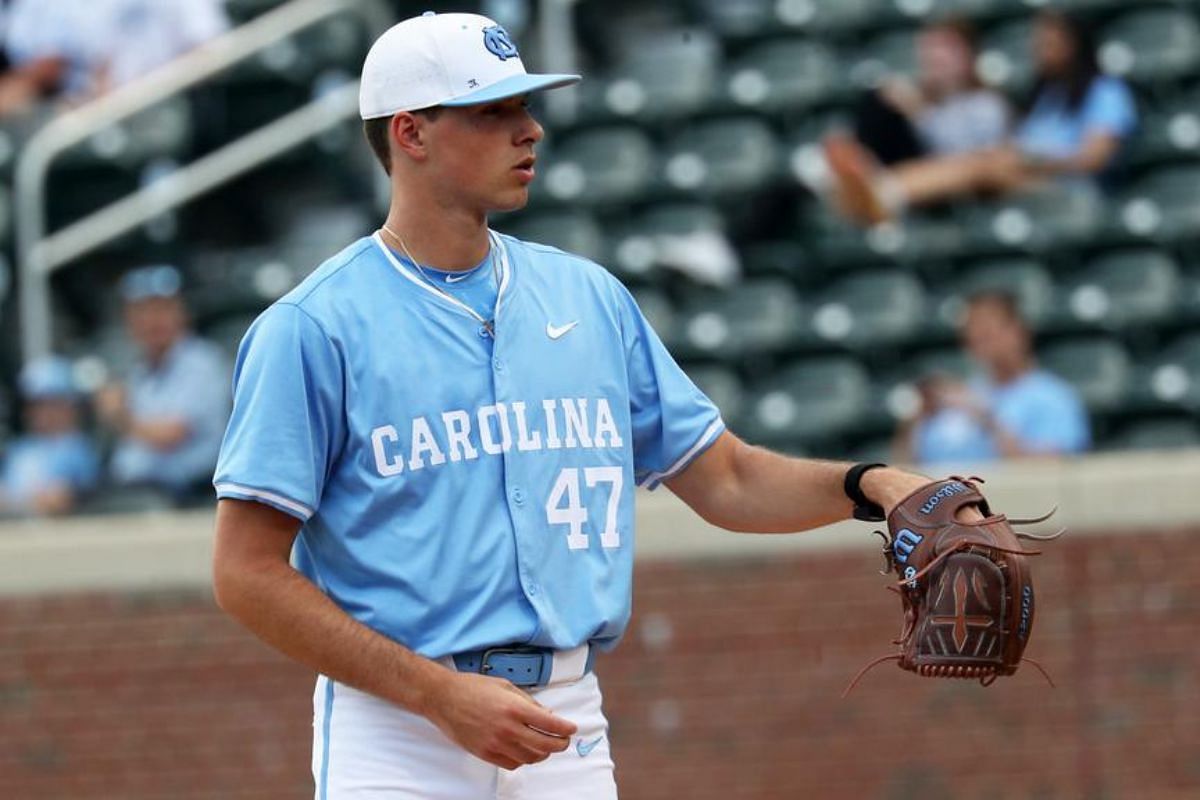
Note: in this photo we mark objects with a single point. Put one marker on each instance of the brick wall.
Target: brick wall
(726, 687)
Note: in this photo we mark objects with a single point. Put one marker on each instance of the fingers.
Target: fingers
(545, 722)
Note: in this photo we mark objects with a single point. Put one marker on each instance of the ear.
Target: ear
(408, 135)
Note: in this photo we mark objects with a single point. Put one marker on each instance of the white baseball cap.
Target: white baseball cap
(444, 60)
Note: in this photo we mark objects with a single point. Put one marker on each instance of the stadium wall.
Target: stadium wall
(120, 679)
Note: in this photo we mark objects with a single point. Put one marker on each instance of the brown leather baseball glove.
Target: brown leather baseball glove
(966, 587)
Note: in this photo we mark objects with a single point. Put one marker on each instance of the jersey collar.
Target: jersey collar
(500, 252)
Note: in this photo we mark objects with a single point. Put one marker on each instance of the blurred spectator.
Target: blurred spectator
(946, 110)
(53, 463)
(1073, 131)
(1011, 409)
(170, 416)
(75, 50)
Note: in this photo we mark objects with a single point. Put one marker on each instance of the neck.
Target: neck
(449, 239)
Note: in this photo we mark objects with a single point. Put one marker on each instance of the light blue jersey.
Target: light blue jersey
(459, 492)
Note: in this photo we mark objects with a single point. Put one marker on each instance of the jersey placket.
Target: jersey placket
(522, 505)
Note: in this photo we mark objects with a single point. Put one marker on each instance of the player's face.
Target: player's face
(485, 154)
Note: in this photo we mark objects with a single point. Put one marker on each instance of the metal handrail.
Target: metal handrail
(39, 255)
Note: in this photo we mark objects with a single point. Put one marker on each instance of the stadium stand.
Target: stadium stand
(708, 119)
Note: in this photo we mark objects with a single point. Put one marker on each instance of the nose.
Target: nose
(531, 131)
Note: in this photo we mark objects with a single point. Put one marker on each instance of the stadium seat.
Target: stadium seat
(1164, 204)
(722, 156)
(868, 308)
(737, 18)
(1167, 433)
(784, 74)
(613, 164)
(1098, 367)
(163, 131)
(663, 75)
(1047, 219)
(1171, 379)
(1122, 288)
(1026, 279)
(1004, 59)
(751, 317)
(779, 257)
(638, 245)
(1151, 45)
(831, 15)
(890, 53)
(571, 230)
(238, 281)
(1169, 132)
(723, 387)
(811, 400)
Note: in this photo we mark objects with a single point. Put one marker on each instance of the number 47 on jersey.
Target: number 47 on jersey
(574, 514)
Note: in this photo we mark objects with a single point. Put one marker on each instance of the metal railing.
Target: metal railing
(40, 253)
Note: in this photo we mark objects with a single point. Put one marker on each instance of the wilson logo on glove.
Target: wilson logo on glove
(966, 587)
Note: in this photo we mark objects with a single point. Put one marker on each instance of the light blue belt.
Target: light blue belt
(522, 665)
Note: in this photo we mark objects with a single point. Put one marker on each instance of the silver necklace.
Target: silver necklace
(489, 325)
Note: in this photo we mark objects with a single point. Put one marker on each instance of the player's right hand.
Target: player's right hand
(496, 721)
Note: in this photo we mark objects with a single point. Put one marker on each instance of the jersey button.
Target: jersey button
(518, 496)
(483, 332)
(498, 364)
(532, 589)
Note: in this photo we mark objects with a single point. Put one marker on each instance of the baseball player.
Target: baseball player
(442, 428)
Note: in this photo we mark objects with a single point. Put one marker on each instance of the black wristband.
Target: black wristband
(864, 508)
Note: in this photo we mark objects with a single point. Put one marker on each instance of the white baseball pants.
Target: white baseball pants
(365, 748)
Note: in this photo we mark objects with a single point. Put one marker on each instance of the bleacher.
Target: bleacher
(704, 116)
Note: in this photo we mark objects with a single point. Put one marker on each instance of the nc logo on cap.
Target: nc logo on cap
(497, 41)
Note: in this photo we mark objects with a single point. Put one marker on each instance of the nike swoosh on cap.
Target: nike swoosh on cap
(560, 331)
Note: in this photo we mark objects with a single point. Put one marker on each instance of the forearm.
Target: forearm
(750, 489)
(773, 493)
(289, 613)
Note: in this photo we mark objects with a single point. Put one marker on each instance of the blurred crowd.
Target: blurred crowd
(158, 428)
(944, 136)
(940, 137)
(59, 53)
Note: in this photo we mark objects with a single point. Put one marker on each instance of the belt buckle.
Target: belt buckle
(542, 676)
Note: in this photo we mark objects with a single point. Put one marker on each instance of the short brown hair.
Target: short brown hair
(1003, 300)
(376, 131)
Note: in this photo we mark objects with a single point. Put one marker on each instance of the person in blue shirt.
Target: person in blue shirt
(1072, 133)
(426, 489)
(46, 470)
(169, 413)
(1010, 409)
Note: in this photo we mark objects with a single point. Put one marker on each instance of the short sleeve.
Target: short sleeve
(287, 422)
(673, 421)
(1109, 109)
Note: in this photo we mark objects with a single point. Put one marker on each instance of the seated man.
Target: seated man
(170, 416)
(47, 469)
(1011, 409)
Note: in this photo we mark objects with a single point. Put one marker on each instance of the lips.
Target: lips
(525, 170)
